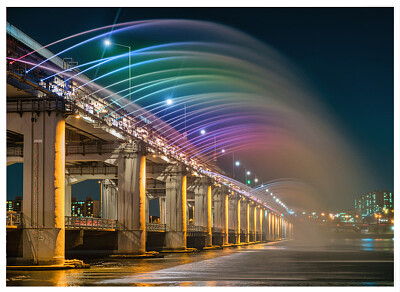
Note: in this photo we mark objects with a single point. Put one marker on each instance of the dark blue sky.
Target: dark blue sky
(345, 55)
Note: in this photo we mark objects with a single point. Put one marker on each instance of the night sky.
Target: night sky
(345, 56)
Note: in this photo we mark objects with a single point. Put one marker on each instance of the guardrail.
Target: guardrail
(156, 227)
(194, 228)
(217, 230)
(14, 219)
(73, 222)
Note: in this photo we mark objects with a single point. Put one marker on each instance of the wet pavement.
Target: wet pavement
(344, 262)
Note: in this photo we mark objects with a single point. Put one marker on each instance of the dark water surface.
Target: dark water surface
(344, 262)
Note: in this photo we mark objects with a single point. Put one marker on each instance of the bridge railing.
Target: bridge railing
(194, 228)
(217, 230)
(156, 227)
(74, 222)
(14, 219)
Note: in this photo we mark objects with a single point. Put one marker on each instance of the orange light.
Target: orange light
(77, 116)
(322, 214)
(392, 220)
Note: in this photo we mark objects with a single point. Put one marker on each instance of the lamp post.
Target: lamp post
(234, 163)
(109, 43)
(247, 174)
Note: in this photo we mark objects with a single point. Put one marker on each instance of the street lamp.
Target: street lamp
(247, 174)
(108, 43)
(169, 101)
(202, 131)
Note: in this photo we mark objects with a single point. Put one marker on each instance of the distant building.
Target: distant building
(345, 217)
(15, 205)
(369, 206)
(88, 208)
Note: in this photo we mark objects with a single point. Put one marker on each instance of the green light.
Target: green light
(248, 181)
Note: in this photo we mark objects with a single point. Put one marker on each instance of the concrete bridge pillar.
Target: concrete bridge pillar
(284, 228)
(245, 219)
(131, 202)
(247, 212)
(110, 193)
(269, 237)
(252, 221)
(221, 209)
(176, 188)
(264, 224)
(43, 186)
(273, 229)
(68, 193)
(226, 219)
(291, 231)
(278, 226)
(260, 222)
(147, 210)
(234, 217)
(202, 207)
(278, 229)
(163, 210)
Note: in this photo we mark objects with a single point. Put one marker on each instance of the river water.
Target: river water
(334, 262)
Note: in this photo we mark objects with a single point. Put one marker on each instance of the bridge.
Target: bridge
(63, 136)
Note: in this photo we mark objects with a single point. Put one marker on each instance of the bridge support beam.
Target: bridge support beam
(221, 208)
(283, 228)
(176, 188)
(131, 203)
(110, 193)
(264, 225)
(202, 208)
(259, 224)
(68, 193)
(234, 217)
(243, 220)
(163, 209)
(226, 219)
(269, 236)
(252, 222)
(43, 186)
(279, 227)
(247, 212)
(273, 231)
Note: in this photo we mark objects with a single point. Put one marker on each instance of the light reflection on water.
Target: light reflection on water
(286, 263)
